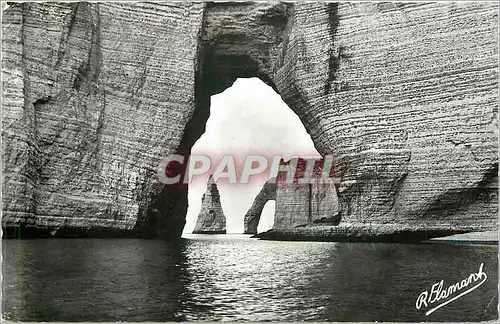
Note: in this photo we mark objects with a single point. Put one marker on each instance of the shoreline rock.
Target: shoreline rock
(355, 233)
(208, 232)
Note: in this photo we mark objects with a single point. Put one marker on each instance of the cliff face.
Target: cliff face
(211, 219)
(414, 125)
(306, 204)
(95, 94)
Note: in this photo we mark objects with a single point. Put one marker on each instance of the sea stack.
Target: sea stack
(211, 219)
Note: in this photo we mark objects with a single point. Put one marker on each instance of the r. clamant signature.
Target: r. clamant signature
(437, 293)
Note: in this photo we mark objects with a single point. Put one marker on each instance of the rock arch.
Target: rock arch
(297, 204)
(96, 94)
(252, 217)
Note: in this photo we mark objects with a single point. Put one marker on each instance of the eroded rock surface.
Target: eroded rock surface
(404, 95)
(94, 95)
(211, 219)
(306, 204)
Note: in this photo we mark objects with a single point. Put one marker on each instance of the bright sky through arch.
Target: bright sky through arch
(247, 118)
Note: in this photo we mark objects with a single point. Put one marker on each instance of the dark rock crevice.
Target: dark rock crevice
(63, 50)
(89, 70)
(451, 202)
(333, 60)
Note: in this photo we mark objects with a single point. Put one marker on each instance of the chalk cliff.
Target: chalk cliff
(306, 204)
(211, 219)
(404, 95)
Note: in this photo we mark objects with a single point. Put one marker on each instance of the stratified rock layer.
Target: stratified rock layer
(306, 204)
(211, 219)
(95, 94)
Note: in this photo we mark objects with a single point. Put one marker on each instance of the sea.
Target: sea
(238, 278)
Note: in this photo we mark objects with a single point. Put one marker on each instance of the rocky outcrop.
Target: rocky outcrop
(252, 217)
(211, 219)
(356, 233)
(95, 94)
(297, 204)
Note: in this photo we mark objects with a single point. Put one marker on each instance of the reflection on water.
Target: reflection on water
(237, 278)
(92, 280)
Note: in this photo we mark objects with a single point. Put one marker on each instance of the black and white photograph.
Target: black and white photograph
(249, 161)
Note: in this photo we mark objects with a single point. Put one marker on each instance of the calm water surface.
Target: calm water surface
(235, 278)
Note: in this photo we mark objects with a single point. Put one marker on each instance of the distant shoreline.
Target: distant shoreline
(379, 234)
(488, 237)
(349, 233)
